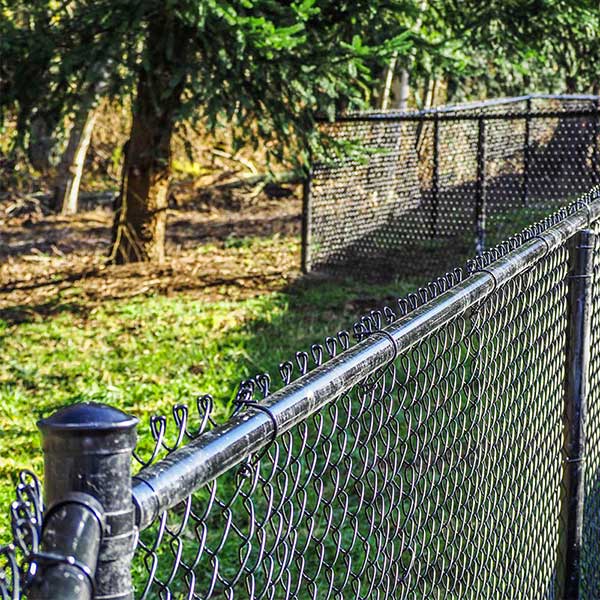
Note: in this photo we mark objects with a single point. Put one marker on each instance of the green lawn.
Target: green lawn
(148, 353)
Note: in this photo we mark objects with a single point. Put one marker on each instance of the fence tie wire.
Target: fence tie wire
(580, 459)
(51, 559)
(244, 400)
(494, 279)
(390, 337)
(543, 239)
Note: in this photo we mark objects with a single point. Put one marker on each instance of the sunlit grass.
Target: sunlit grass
(146, 354)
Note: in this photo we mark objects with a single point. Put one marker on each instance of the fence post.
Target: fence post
(306, 223)
(88, 448)
(580, 282)
(436, 174)
(526, 154)
(480, 199)
(596, 150)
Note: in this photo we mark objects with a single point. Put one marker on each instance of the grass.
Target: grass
(146, 354)
(500, 227)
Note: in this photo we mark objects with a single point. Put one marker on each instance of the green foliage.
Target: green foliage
(519, 46)
(261, 68)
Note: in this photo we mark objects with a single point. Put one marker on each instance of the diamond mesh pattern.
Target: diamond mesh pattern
(435, 477)
(519, 378)
(403, 198)
(438, 475)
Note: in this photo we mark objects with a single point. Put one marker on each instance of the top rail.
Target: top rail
(171, 480)
(460, 111)
(458, 116)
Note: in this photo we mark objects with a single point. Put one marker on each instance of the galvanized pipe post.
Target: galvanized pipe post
(575, 406)
(480, 200)
(526, 154)
(88, 448)
(306, 224)
(435, 184)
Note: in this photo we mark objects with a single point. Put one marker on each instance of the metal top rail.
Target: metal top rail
(170, 481)
(460, 111)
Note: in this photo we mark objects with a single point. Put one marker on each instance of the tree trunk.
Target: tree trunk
(41, 143)
(141, 209)
(66, 189)
(400, 89)
(430, 96)
(389, 78)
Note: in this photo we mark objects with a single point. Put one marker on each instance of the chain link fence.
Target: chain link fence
(447, 447)
(414, 187)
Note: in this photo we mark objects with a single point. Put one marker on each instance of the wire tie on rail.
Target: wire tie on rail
(390, 337)
(543, 239)
(494, 279)
(589, 215)
(244, 400)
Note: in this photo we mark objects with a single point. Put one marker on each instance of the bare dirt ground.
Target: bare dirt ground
(219, 245)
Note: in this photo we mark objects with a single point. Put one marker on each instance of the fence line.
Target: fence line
(442, 455)
(169, 482)
(418, 182)
(467, 106)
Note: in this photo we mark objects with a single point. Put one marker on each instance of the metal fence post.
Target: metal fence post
(596, 149)
(306, 224)
(526, 154)
(480, 199)
(88, 448)
(579, 304)
(435, 184)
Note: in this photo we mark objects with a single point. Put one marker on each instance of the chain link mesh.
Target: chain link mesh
(16, 568)
(521, 335)
(423, 185)
(437, 476)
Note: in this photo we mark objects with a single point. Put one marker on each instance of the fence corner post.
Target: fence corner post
(435, 182)
(526, 154)
(596, 143)
(88, 449)
(579, 302)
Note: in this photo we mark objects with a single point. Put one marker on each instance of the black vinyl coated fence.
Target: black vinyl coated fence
(425, 181)
(448, 448)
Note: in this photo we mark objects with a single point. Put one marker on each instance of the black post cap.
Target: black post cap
(86, 416)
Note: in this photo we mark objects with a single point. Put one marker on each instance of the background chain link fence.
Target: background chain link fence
(420, 188)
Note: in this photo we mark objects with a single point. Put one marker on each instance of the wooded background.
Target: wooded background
(215, 88)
